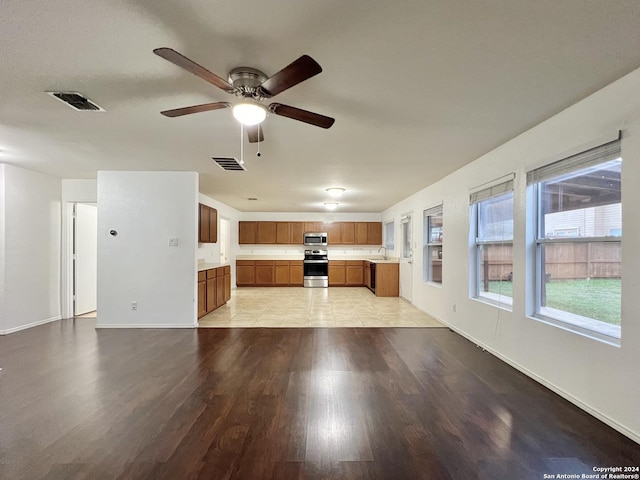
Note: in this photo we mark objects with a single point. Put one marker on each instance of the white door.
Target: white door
(225, 240)
(85, 234)
(406, 257)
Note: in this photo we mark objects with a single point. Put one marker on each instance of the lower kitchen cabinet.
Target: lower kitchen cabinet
(245, 273)
(296, 273)
(265, 273)
(212, 289)
(269, 273)
(337, 273)
(387, 281)
(354, 273)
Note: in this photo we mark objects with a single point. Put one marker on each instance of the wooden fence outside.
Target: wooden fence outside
(564, 261)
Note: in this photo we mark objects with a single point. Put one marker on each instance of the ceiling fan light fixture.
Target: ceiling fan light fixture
(335, 192)
(331, 205)
(249, 112)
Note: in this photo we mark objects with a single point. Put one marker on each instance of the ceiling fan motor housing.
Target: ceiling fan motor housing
(246, 80)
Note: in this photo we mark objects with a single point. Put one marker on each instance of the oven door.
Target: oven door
(316, 273)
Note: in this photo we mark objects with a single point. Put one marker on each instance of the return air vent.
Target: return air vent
(77, 101)
(228, 163)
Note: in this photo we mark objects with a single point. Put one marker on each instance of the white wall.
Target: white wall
(30, 248)
(146, 209)
(601, 378)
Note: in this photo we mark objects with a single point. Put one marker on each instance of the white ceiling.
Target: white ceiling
(418, 88)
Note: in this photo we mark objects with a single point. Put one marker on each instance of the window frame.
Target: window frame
(600, 330)
(496, 189)
(389, 246)
(430, 246)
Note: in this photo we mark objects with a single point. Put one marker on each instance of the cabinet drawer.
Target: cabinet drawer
(227, 269)
(211, 273)
(220, 272)
(245, 263)
(202, 276)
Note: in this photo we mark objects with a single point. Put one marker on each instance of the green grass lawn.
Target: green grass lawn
(599, 299)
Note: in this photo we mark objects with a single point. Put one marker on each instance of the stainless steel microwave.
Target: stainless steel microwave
(315, 239)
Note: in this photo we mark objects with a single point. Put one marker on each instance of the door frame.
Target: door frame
(408, 263)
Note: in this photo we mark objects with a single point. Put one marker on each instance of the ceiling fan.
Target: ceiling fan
(253, 86)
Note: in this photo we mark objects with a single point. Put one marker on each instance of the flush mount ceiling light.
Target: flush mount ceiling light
(249, 112)
(335, 191)
(330, 205)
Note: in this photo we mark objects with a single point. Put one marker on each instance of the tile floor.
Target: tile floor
(315, 307)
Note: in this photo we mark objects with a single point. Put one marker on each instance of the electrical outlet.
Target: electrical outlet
(173, 242)
(454, 308)
(134, 305)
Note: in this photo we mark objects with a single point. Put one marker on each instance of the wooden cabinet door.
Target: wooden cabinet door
(387, 280)
(203, 223)
(337, 273)
(334, 234)
(265, 273)
(247, 233)
(220, 295)
(282, 273)
(296, 273)
(374, 233)
(245, 273)
(296, 233)
(361, 233)
(227, 283)
(283, 232)
(213, 225)
(211, 293)
(267, 233)
(348, 232)
(354, 274)
(202, 298)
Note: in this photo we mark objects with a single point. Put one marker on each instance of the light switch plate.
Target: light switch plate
(173, 241)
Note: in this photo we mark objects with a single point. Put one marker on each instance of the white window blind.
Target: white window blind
(589, 158)
(433, 211)
(492, 191)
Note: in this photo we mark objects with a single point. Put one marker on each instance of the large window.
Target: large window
(492, 223)
(389, 236)
(578, 241)
(432, 245)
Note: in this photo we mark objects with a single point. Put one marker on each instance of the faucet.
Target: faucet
(384, 255)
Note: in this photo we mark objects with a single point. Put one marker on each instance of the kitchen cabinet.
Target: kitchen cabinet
(245, 273)
(211, 290)
(282, 273)
(202, 294)
(247, 233)
(267, 233)
(296, 273)
(347, 233)
(374, 233)
(265, 273)
(314, 227)
(227, 283)
(207, 224)
(354, 273)
(296, 233)
(337, 273)
(283, 233)
(334, 233)
(387, 280)
(362, 233)
(220, 294)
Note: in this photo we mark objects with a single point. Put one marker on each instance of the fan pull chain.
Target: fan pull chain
(259, 154)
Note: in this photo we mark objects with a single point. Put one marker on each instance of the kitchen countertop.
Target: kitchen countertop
(331, 257)
(208, 266)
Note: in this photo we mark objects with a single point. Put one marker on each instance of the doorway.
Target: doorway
(85, 259)
(225, 240)
(406, 257)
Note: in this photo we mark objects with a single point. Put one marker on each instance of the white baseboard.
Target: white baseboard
(30, 325)
(145, 325)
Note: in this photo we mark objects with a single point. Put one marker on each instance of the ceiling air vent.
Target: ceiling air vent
(77, 101)
(228, 163)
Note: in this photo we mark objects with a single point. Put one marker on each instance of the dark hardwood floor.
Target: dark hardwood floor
(406, 403)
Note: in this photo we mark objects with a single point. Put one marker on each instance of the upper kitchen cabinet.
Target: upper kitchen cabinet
(374, 233)
(283, 232)
(348, 232)
(362, 233)
(267, 232)
(296, 233)
(207, 224)
(334, 233)
(247, 232)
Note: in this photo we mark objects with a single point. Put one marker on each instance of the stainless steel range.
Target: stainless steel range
(316, 268)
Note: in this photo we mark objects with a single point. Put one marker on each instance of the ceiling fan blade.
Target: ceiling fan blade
(300, 70)
(178, 112)
(255, 133)
(301, 115)
(191, 66)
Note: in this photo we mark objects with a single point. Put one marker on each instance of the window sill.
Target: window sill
(432, 284)
(584, 326)
(493, 299)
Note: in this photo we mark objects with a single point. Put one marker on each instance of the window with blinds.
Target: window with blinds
(432, 234)
(492, 223)
(578, 241)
